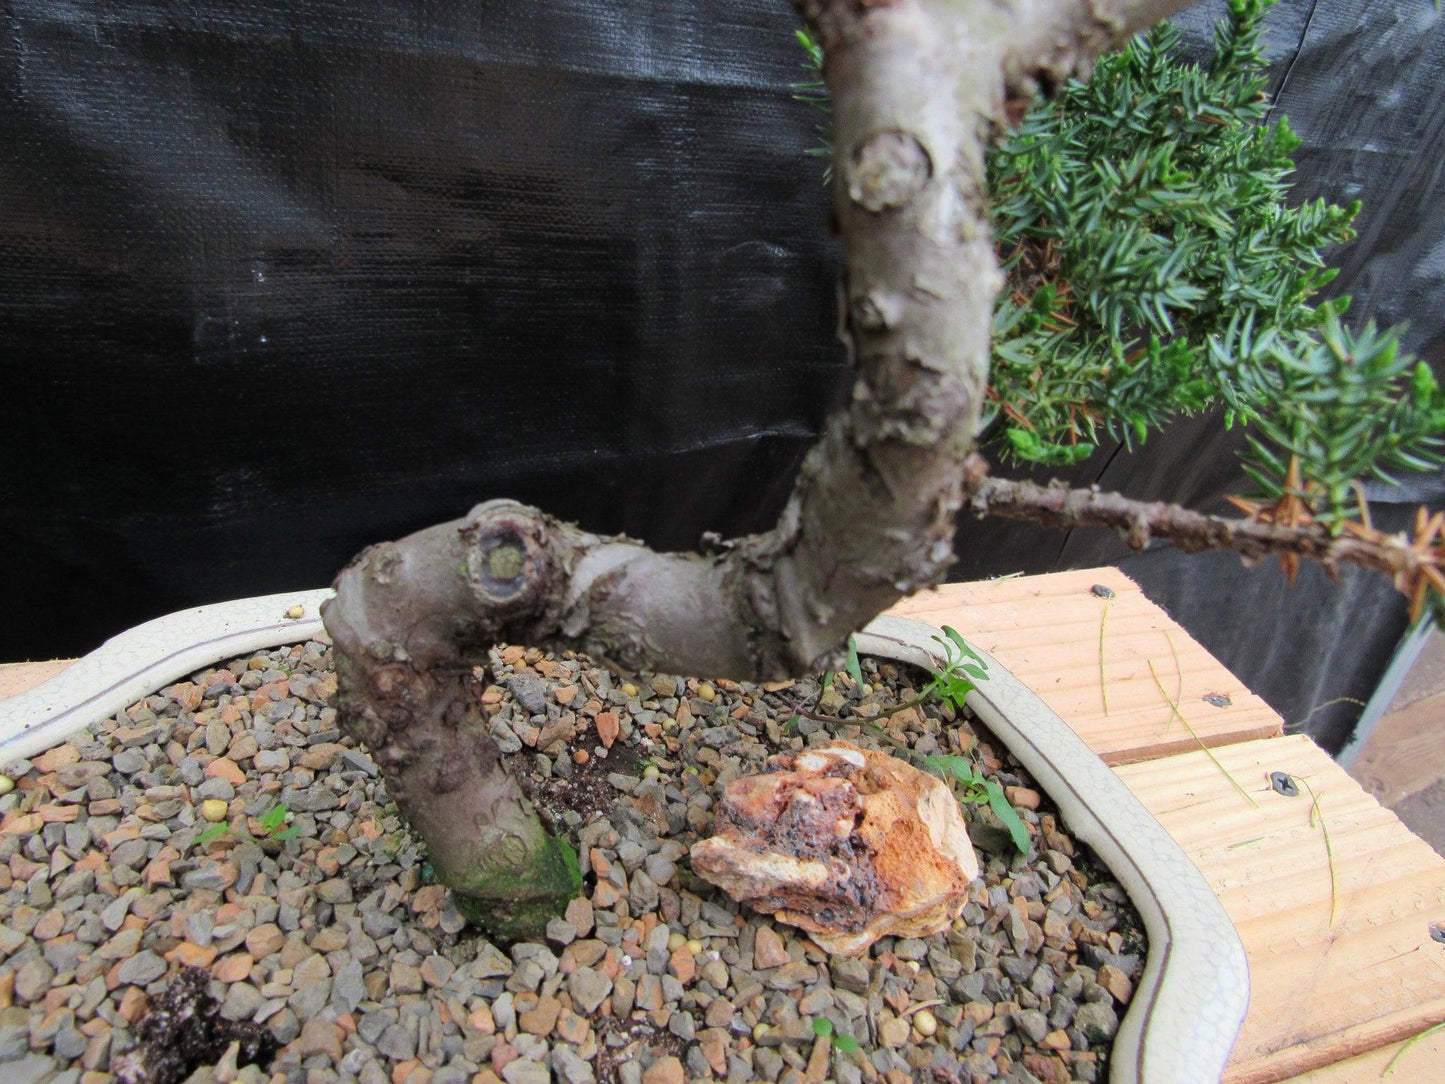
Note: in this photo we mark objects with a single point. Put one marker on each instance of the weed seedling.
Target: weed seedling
(272, 825)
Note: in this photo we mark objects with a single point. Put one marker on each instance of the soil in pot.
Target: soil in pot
(307, 901)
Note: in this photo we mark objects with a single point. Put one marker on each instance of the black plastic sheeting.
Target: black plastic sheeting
(279, 280)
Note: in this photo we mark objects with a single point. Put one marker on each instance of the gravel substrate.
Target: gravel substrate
(332, 939)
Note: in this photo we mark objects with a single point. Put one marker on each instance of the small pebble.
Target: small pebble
(339, 921)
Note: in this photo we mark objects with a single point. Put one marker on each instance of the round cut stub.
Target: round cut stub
(849, 844)
(887, 170)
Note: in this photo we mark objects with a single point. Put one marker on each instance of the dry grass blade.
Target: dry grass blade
(1103, 689)
(1174, 707)
(1178, 679)
(1316, 812)
(1411, 1042)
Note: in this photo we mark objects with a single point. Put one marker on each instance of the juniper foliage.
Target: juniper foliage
(1154, 269)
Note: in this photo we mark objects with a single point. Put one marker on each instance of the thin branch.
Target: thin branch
(1052, 40)
(1415, 564)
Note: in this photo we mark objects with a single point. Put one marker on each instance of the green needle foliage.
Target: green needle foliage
(1154, 269)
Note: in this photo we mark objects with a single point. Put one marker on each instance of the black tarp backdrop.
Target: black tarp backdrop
(279, 280)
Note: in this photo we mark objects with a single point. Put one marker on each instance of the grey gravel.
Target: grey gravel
(338, 922)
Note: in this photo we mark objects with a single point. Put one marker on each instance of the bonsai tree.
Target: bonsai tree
(1132, 260)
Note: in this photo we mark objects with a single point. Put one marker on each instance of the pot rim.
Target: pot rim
(1186, 1012)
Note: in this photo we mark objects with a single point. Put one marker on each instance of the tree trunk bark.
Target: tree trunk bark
(917, 88)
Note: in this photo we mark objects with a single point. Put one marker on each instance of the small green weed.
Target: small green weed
(272, 824)
(823, 1028)
(972, 787)
(962, 667)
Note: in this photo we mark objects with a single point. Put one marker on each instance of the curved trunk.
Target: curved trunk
(917, 87)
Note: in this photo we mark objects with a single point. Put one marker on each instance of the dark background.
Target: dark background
(282, 279)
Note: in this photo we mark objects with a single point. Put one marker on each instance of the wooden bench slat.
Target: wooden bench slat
(1045, 629)
(1321, 992)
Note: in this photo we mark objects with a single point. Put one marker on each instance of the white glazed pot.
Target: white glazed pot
(1187, 1009)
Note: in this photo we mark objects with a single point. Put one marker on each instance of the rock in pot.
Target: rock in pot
(849, 844)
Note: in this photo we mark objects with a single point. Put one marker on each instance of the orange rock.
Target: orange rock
(572, 1028)
(818, 1060)
(264, 940)
(649, 992)
(1056, 1040)
(158, 869)
(192, 955)
(830, 826)
(234, 968)
(50, 925)
(124, 834)
(21, 824)
(482, 1021)
(132, 1003)
(1023, 797)
(714, 1043)
(608, 727)
(540, 1019)
(320, 1036)
(666, 1070)
(52, 760)
(225, 768)
(188, 694)
(768, 949)
(1111, 978)
(429, 898)
(320, 757)
(682, 964)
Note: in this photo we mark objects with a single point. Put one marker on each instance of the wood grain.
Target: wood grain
(1323, 990)
(1406, 753)
(1423, 1063)
(17, 677)
(1046, 630)
(1331, 1000)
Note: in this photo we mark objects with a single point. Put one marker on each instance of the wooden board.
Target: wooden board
(1406, 753)
(1322, 990)
(16, 677)
(1423, 1063)
(1332, 1001)
(1046, 630)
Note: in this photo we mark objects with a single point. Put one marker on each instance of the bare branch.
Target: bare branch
(1415, 565)
(1051, 40)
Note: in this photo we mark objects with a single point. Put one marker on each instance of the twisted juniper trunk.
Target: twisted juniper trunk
(917, 86)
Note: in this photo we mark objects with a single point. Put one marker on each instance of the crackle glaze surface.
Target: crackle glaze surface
(146, 658)
(1190, 1002)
